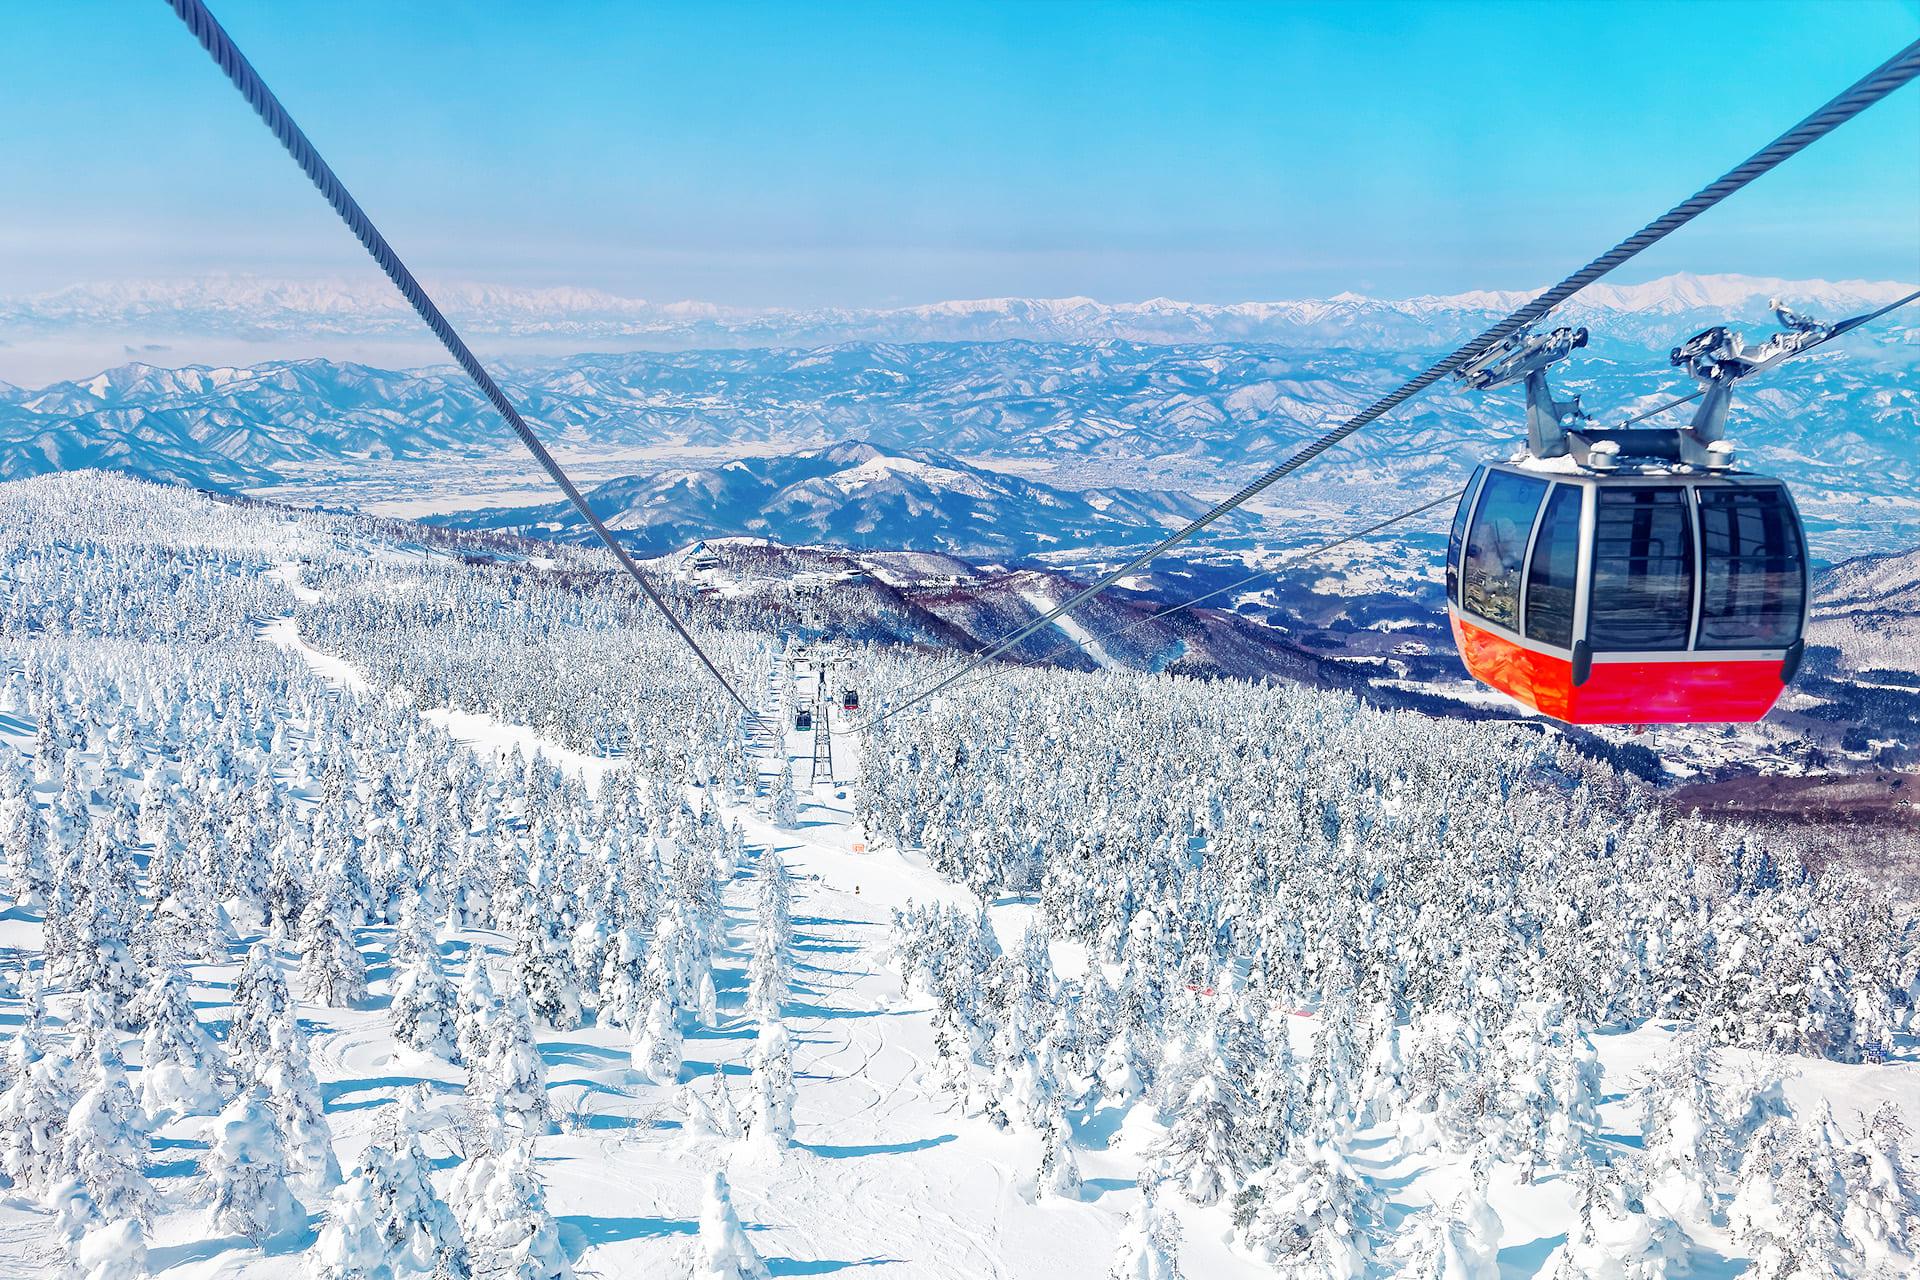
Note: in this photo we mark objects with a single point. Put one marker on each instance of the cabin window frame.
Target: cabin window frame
(1582, 537)
(1516, 627)
(1690, 540)
(1457, 537)
(1793, 523)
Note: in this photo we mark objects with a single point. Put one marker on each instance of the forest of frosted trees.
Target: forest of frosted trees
(1461, 908)
(1281, 926)
(197, 809)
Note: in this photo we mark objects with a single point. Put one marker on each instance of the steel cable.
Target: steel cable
(1871, 88)
(220, 46)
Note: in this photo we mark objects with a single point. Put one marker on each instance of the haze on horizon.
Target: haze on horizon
(756, 156)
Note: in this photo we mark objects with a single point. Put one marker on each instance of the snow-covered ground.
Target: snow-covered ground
(884, 1176)
(891, 1169)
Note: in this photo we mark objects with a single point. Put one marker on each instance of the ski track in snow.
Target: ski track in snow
(1071, 629)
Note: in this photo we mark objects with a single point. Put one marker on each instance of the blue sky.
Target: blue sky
(862, 155)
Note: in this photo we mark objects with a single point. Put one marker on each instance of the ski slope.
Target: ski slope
(888, 1173)
(886, 1177)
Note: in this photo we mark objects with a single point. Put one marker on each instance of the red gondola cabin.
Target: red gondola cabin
(1660, 596)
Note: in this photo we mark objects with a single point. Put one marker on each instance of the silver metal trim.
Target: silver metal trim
(1699, 565)
(1701, 656)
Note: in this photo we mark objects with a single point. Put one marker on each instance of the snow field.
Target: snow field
(338, 758)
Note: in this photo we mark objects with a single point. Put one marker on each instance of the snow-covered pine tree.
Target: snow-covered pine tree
(587, 948)
(656, 1042)
(112, 1251)
(786, 805)
(773, 894)
(1121, 1068)
(1309, 1216)
(726, 1116)
(260, 997)
(767, 970)
(1212, 1144)
(1881, 1206)
(179, 1065)
(1683, 1136)
(1786, 1210)
(387, 1221)
(478, 1007)
(1058, 1173)
(1614, 1236)
(423, 1009)
(509, 1232)
(245, 1172)
(772, 1058)
(767, 1136)
(71, 1205)
(101, 959)
(623, 975)
(540, 958)
(706, 998)
(106, 1145)
(332, 969)
(722, 1250)
(24, 838)
(33, 1110)
(287, 1076)
(1149, 1247)
(1456, 1241)
(514, 1073)
(1572, 1091)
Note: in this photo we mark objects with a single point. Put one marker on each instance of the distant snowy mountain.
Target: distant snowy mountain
(228, 428)
(366, 306)
(856, 495)
(1197, 416)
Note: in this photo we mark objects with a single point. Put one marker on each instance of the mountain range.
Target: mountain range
(854, 494)
(1112, 417)
(366, 306)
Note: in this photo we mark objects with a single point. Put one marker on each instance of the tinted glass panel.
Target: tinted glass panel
(1555, 569)
(1755, 570)
(1458, 536)
(1497, 546)
(1642, 594)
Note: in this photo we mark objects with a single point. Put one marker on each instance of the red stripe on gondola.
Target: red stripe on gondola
(1700, 689)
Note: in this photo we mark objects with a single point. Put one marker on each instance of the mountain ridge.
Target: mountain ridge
(367, 306)
(853, 494)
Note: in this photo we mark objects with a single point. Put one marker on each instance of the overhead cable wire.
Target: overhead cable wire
(1286, 561)
(1863, 93)
(220, 46)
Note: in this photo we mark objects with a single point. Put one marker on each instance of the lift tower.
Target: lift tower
(822, 737)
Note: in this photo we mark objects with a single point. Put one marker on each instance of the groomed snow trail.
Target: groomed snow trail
(1070, 629)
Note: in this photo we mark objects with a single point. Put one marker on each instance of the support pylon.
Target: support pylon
(822, 738)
